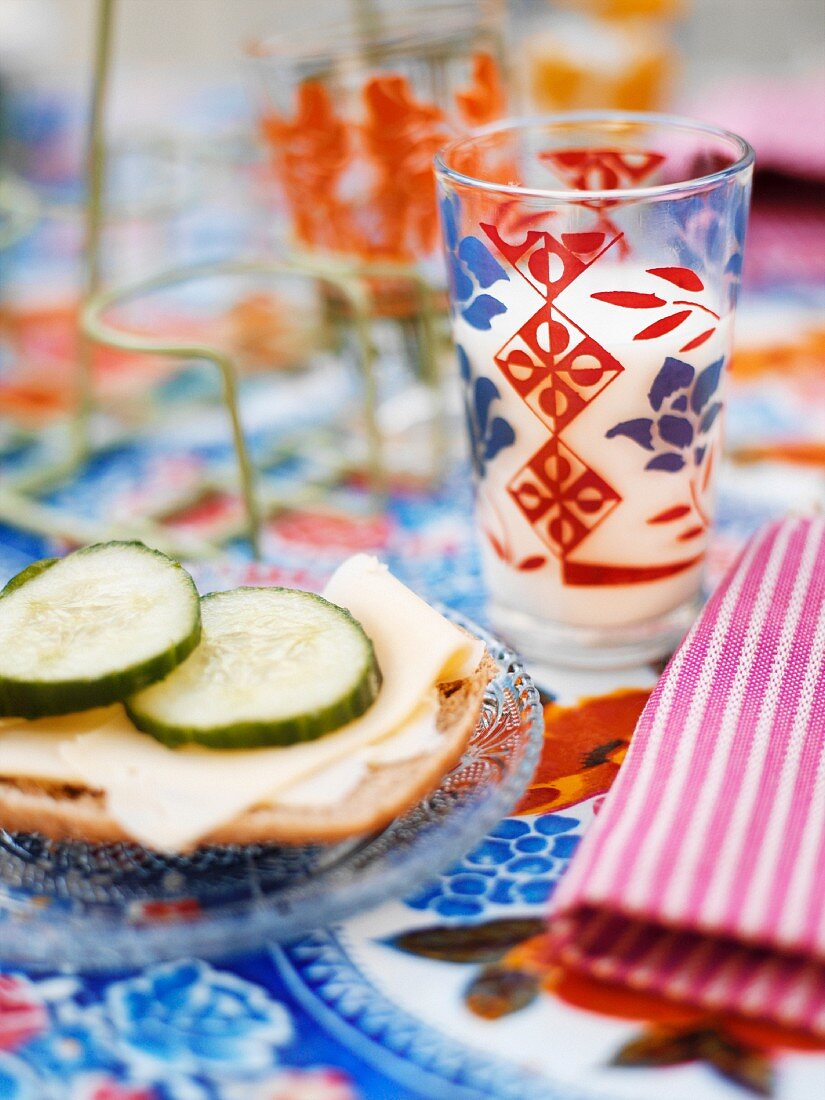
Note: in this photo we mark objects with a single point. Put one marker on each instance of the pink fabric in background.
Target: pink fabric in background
(784, 120)
(786, 242)
(703, 877)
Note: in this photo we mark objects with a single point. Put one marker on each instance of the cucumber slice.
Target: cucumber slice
(29, 573)
(275, 666)
(88, 629)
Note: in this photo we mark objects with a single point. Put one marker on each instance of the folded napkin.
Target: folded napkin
(703, 877)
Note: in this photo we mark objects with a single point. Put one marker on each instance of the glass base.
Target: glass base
(558, 645)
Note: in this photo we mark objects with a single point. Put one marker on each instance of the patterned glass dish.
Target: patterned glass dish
(96, 907)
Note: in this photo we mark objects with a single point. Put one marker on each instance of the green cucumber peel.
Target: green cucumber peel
(28, 574)
(57, 611)
(167, 710)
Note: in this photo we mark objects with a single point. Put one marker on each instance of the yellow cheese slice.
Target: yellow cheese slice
(30, 749)
(417, 736)
(169, 798)
(326, 787)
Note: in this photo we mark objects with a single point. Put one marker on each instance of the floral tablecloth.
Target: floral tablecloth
(444, 993)
(376, 1008)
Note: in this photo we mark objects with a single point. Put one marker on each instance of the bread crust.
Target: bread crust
(75, 813)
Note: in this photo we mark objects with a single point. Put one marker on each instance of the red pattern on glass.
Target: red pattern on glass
(503, 548)
(684, 278)
(535, 561)
(698, 340)
(591, 573)
(663, 326)
(561, 496)
(630, 299)
(558, 369)
(603, 170)
(671, 514)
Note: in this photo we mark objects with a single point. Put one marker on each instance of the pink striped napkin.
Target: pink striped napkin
(703, 877)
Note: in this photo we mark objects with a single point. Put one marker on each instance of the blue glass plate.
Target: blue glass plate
(97, 907)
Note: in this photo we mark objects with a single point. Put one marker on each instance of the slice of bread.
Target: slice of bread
(76, 813)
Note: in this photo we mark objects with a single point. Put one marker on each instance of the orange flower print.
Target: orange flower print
(583, 748)
(311, 152)
(364, 185)
(482, 100)
(401, 135)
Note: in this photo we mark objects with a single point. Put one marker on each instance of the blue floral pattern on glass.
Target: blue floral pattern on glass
(685, 412)
(710, 233)
(472, 269)
(518, 863)
(488, 434)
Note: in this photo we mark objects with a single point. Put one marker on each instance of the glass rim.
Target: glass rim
(744, 160)
(396, 31)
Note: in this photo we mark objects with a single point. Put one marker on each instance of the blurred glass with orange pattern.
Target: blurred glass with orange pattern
(354, 113)
(352, 116)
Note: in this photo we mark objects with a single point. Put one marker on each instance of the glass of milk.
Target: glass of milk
(594, 265)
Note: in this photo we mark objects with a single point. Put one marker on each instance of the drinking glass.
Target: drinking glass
(594, 261)
(352, 114)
